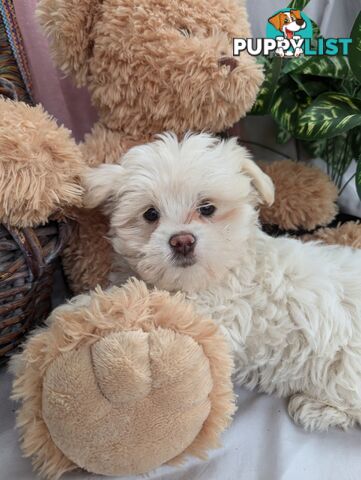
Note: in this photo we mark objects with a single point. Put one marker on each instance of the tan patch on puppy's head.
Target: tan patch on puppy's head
(227, 216)
(196, 217)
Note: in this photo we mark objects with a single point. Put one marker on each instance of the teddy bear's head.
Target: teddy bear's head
(156, 65)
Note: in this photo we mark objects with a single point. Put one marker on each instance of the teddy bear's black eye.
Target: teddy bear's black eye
(184, 31)
(207, 210)
(151, 215)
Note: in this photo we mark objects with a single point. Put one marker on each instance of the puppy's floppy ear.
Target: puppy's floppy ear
(262, 182)
(101, 184)
(276, 21)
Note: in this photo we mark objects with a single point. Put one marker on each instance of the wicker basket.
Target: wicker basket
(27, 264)
(27, 256)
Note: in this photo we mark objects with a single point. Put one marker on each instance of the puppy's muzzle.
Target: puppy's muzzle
(300, 22)
(183, 244)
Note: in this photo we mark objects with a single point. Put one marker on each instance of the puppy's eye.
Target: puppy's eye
(184, 31)
(151, 215)
(286, 20)
(207, 210)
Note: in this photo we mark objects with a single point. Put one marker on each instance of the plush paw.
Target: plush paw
(348, 234)
(313, 414)
(143, 396)
(121, 382)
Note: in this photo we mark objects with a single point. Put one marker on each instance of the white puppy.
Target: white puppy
(184, 217)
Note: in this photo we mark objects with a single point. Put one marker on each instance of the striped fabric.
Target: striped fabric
(13, 62)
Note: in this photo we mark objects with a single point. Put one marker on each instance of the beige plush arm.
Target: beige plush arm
(40, 166)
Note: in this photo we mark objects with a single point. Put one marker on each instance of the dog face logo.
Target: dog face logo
(288, 22)
(289, 28)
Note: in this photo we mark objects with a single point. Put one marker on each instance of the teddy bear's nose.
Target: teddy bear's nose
(183, 243)
(228, 62)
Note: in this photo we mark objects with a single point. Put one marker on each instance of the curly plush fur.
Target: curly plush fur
(40, 166)
(348, 234)
(170, 50)
(305, 197)
(150, 65)
(290, 310)
(118, 358)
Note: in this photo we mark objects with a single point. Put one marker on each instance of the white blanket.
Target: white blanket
(261, 444)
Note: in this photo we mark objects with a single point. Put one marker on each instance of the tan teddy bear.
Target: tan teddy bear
(150, 66)
(157, 65)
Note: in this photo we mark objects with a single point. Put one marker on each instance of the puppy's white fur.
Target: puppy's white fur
(291, 311)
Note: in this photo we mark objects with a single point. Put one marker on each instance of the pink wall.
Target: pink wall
(70, 105)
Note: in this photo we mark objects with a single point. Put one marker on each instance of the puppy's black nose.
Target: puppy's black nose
(300, 22)
(183, 243)
(229, 62)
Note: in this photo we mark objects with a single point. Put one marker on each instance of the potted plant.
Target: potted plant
(317, 101)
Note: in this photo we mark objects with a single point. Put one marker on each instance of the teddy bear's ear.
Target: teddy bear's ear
(68, 25)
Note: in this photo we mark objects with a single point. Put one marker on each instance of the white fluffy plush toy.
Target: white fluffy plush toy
(184, 218)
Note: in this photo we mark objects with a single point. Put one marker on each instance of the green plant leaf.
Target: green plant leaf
(358, 178)
(298, 4)
(356, 150)
(288, 105)
(311, 86)
(328, 116)
(355, 49)
(316, 30)
(338, 155)
(283, 136)
(334, 67)
(265, 97)
(295, 63)
(350, 86)
(336, 152)
(316, 148)
(356, 143)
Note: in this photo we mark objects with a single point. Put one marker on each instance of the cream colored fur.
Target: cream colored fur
(291, 311)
